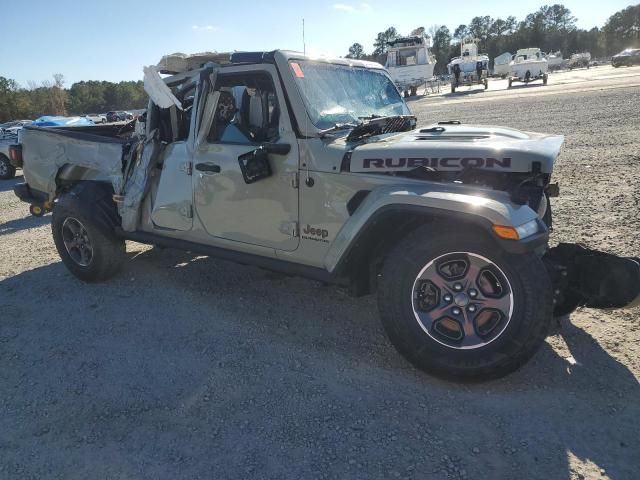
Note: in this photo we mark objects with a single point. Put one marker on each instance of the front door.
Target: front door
(260, 209)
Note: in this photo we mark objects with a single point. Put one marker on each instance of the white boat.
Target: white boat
(470, 68)
(528, 64)
(555, 60)
(410, 62)
(501, 64)
(578, 60)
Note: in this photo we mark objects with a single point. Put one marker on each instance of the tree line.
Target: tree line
(50, 97)
(551, 28)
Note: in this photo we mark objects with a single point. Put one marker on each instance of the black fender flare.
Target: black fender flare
(94, 200)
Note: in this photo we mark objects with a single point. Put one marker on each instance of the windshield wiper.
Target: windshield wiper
(373, 116)
(381, 125)
(338, 127)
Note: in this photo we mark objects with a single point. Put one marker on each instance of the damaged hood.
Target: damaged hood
(457, 147)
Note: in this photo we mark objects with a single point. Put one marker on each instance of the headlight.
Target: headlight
(527, 229)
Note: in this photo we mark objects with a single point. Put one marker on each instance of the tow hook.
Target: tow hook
(590, 278)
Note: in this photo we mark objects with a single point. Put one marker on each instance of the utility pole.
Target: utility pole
(304, 44)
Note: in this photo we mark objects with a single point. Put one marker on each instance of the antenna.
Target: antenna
(304, 45)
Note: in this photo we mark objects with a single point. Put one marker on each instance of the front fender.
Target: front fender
(448, 203)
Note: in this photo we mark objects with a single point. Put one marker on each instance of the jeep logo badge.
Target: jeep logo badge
(317, 234)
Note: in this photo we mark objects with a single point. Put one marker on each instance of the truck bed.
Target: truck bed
(88, 151)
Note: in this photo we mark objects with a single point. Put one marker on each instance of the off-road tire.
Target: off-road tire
(108, 250)
(7, 171)
(523, 335)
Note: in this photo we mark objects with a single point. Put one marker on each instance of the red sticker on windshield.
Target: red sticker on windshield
(297, 70)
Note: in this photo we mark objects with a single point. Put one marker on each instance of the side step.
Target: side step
(585, 277)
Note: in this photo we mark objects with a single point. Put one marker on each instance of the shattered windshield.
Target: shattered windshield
(340, 94)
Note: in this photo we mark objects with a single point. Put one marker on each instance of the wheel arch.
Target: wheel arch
(363, 259)
(94, 200)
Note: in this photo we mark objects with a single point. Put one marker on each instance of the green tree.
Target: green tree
(380, 43)
(356, 51)
(622, 29)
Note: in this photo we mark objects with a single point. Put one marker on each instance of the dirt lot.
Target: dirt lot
(187, 367)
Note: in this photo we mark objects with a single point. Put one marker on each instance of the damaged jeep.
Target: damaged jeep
(317, 168)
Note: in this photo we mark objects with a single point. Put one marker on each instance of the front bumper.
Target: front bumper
(586, 277)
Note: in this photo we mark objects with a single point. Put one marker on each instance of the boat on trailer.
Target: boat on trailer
(410, 62)
(470, 68)
(555, 60)
(528, 65)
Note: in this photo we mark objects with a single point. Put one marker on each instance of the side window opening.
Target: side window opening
(174, 124)
(247, 110)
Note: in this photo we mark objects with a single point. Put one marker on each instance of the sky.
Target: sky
(112, 40)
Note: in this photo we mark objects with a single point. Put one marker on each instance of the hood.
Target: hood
(456, 147)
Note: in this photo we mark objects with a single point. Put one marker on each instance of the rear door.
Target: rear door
(231, 204)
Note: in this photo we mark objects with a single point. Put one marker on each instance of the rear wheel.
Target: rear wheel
(510, 83)
(545, 77)
(89, 252)
(7, 171)
(458, 307)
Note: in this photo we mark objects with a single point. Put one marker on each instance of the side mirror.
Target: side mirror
(255, 165)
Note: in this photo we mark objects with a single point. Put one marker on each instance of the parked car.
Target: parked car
(119, 116)
(96, 117)
(626, 58)
(11, 128)
(113, 117)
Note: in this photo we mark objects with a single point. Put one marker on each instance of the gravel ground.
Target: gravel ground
(188, 367)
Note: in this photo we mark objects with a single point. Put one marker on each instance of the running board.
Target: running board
(585, 277)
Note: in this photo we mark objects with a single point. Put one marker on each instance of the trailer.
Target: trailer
(528, 65)
(470, 68)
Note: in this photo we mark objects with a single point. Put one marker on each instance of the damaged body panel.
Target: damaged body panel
(316, 168)
(52, 151)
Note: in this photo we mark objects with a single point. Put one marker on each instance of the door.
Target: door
(250, 122)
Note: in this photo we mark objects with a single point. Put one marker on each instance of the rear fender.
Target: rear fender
(94, 200)
(590, 278)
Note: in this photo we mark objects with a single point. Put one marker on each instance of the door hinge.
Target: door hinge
(187, 211)
(295, 180)
(290, 228)
(186, 167)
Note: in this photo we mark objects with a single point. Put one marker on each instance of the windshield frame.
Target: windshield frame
(308, 124)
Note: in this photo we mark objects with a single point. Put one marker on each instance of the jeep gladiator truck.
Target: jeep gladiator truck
(316, 168)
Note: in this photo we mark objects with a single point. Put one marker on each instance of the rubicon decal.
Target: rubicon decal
(444, 162)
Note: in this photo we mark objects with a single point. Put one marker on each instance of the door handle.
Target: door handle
(208, 167)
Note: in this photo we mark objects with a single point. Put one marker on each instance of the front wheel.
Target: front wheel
(459, 307)
(7, 171)
(89, 252)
